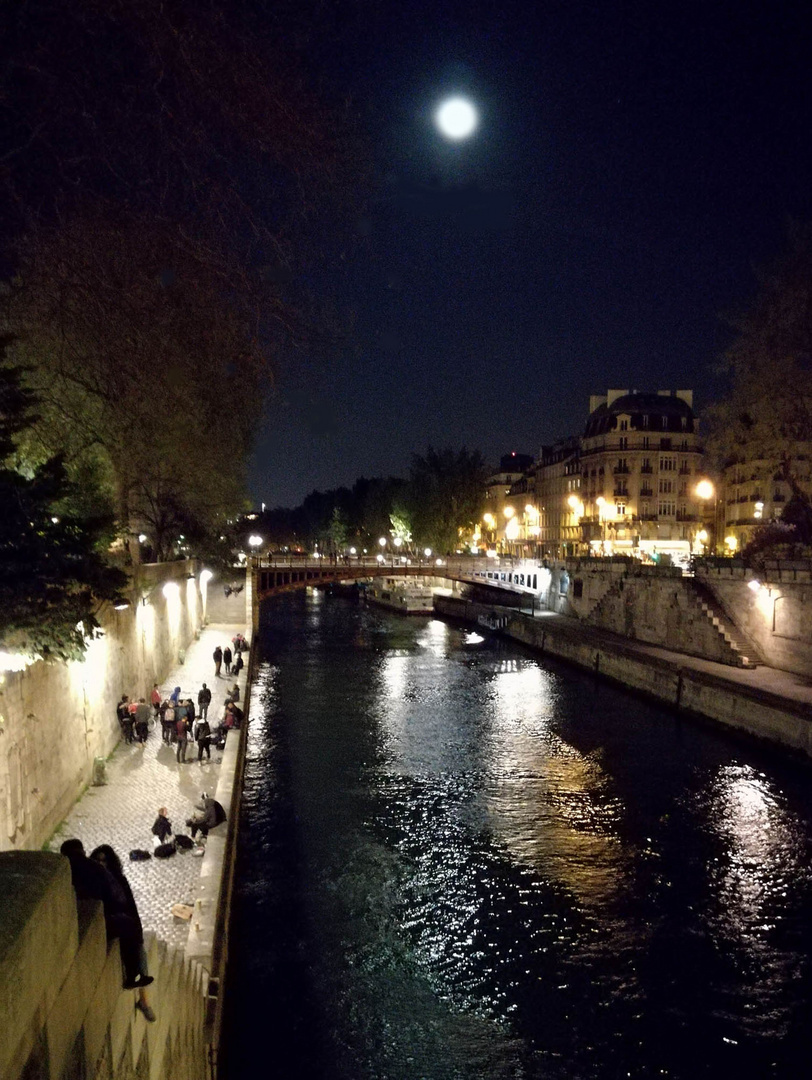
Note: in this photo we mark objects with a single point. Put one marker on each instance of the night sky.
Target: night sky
(633, 163)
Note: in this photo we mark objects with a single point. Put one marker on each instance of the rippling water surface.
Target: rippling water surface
(459, 861)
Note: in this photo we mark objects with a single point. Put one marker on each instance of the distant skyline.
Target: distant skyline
(630, 167)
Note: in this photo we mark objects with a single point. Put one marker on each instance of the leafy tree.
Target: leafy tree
(767, 417)
(337, 532)
(400, 524)
(446, 495)
(164, 176)
(53, 574)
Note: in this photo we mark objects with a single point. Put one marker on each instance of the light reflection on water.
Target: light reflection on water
(461, 863)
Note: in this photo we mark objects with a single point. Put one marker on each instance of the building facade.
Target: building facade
(500, 523)
(558, 498)
(755, 491)
(640, 462)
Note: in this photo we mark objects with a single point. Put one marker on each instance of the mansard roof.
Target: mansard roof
(661, 412)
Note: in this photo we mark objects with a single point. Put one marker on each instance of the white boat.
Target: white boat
(400, 594)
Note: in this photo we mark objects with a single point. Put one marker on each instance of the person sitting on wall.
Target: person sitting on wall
(208, 815)
(92, 881)
(236, 715)
(105, 856)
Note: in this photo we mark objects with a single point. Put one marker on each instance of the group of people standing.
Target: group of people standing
(181, 722)
(232, 661)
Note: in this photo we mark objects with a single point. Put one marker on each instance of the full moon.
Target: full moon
(456, 118)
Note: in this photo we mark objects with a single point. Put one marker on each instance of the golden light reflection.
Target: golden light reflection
(764, 854)
(538, 776)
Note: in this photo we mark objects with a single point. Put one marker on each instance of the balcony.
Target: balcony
(621, 469)
(646, 469)
(646, 493)
(620, 493)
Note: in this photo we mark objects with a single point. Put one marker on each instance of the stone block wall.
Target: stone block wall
(235, 608)
(591, 579)
(777, 616)
(56, 718)
(63, 1014)
(660, 611)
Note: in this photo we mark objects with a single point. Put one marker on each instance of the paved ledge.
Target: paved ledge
(139, 781)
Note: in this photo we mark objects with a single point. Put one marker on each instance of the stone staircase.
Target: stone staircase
(624, 609)
(748, 655)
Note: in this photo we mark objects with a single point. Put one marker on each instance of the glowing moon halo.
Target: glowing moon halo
(456, 118)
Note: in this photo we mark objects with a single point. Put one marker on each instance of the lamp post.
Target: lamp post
(255, 543)
(600, 502)
(577, 512)
(705, 491)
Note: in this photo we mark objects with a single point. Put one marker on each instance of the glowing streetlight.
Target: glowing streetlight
(704, 489)
(255, 541)
(509, 511)
(427, 552)
(382, 541)
(600, 502)
(398, 541)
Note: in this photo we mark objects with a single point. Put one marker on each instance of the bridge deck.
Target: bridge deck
(514, 575)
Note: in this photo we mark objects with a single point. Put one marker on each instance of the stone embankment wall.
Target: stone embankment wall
(63, 1014)
(756, 712)
(777, 616)
(652, 604)
(56, 718)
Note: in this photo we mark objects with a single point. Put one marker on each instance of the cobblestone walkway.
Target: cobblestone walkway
(140, 781)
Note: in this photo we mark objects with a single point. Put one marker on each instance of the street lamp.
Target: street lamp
(705, 491)
(600, 502)
(255, 543)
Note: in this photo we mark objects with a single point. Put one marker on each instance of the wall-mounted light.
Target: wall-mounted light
(754, 585)
(171, 589)
(121, 604)
(205, 576)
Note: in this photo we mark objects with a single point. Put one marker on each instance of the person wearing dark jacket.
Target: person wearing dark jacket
(162, 826)
(203, 701)
(227, 659)
(208, 814)
(93, 881)
(217, 655)
(182, 732)
(105, 856)
(203, 740)
(125, 718)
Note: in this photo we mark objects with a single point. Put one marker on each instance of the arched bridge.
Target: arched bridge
(283, 573)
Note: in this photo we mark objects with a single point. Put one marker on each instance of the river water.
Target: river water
(459, 860)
